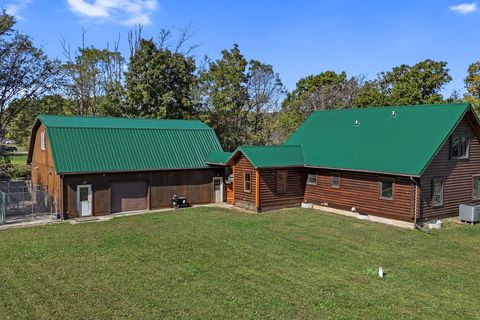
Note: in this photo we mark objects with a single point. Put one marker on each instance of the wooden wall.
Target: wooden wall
(242, 198)
(456, 174)
(43, 171)
(229, 193)
(270, 198)
(195, 184)
(362, 191)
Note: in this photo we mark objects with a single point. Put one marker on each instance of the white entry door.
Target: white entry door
(84, 200)
(218, 189)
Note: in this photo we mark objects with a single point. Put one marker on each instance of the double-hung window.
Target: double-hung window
(247, 182)
(437, 193)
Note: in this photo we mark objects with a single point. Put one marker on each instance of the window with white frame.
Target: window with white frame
(312, 179)
(42, 140)
(437, 193)
(247, 182)
(335, 180)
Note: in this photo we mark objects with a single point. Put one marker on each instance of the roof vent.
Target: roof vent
(357, 123)
(394, 114)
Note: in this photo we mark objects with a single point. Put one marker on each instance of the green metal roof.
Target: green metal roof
(95, 144)
(272, 156)
(218, 157)
(399, 143)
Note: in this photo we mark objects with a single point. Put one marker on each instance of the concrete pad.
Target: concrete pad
(391, 222)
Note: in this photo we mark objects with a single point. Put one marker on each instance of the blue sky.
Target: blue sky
(297, 37)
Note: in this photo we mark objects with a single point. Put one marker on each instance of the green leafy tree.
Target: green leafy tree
(239, 98)
(406, 85)
(472, 84)
(20, 127)
(160, 83)
(94, 80)
(327, 90)
(225, 91)
(265, 89)
(26, 73)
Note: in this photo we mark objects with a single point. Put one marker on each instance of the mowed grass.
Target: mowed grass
(18, 159)
(204, 263)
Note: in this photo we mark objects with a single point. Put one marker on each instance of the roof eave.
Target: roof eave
(69, 173)
(365, 171)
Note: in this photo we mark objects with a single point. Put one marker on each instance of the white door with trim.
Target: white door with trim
(218, 189)
(84, 200)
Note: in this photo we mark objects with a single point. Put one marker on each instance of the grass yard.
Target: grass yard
(219, 263)
(18, 159)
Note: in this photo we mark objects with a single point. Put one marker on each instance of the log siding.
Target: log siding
(362, 191)
(456, 174)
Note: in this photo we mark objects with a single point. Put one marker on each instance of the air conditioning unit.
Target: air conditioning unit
(470, 213)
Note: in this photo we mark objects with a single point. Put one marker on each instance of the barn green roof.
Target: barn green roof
(396, 140)
(101, 144)
(271, 156)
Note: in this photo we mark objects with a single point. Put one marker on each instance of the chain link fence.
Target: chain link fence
(20, 201)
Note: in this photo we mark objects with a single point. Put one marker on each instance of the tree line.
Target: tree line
(244, 100)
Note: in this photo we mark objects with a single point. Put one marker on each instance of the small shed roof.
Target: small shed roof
(271, 156)
(100, 144)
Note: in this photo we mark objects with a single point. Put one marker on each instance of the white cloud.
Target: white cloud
(14, 8)
(128, 12)
(464, 8)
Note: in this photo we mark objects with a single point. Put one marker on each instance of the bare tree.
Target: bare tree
(91, 73)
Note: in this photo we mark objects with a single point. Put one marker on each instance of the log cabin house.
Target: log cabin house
(98, 166)
(407, 163)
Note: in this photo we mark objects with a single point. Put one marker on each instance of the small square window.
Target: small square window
(42, 140)
(336, 181)
(312, 179)
(386, 189)
(247, 183)
(460, 146)
(476, 188)
(437, 193)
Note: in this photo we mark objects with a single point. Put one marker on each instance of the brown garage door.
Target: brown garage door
(129, 196)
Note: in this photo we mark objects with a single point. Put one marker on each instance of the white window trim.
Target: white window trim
(337, 186)
(442, 186)
(42, 140)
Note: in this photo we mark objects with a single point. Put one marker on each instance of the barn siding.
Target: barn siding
(43, 171)
(362, 191)
(242, 198)
(195, 184)
(456, 174)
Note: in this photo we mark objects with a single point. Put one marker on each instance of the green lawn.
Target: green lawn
(218, 263)
(18, 159)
